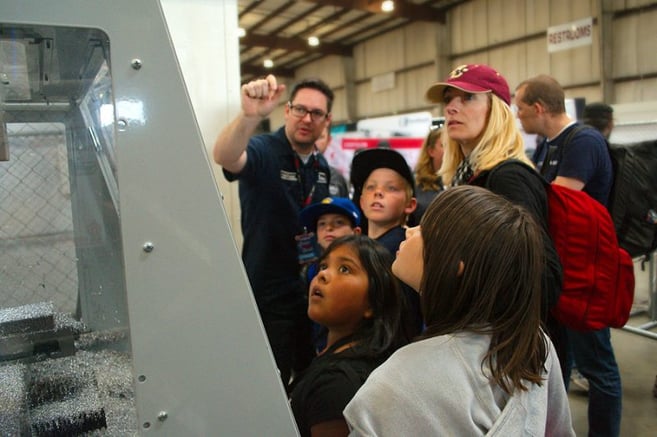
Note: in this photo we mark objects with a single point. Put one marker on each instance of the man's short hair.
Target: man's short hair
(315, 84)
(598, 115)
(545, 90)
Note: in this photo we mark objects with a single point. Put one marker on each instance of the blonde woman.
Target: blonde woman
(481, 133)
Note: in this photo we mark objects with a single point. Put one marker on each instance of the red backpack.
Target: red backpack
(598, 276)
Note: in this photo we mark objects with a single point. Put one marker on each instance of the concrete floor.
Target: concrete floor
(637, 358)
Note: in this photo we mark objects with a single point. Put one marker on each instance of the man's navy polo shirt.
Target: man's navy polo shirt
(585, 158)
(271, 198)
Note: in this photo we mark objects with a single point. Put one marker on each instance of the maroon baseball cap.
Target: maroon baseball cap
(472, 78)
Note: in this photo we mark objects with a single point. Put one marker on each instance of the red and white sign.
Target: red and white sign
(393, 143)
(404, 133)
(570, 35)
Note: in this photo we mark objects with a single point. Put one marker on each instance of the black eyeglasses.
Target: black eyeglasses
(300, 111)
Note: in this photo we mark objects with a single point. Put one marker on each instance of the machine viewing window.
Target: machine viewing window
(65, 364)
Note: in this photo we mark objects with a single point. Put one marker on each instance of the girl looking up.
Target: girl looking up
(357, 298)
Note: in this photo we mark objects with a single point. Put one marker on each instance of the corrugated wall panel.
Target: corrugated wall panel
(535, 58)
(415, 84)
(536, 15)
(384, 54)
(329, 68)
(647, 41)
(625, 44)
(506, 20)
(419, 43)
(643, 90)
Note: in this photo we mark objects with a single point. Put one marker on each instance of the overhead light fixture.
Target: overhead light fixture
(313, 41)
(241, 32)
(268, 63)
(388, 6)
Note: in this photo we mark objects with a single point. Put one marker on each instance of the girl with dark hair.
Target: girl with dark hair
(483, 366)
(357, 298)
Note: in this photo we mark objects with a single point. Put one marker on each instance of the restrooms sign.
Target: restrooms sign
(570, 35)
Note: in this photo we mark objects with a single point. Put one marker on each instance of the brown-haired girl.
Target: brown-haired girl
(483, 366)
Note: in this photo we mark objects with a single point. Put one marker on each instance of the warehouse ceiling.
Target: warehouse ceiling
(278, 30)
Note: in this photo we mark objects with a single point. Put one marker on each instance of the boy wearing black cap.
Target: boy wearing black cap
(385, 191)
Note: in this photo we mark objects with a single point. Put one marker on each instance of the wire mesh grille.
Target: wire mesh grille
(37, 249)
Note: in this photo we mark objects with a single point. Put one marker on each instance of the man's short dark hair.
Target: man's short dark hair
(316, 84)
(598, 115)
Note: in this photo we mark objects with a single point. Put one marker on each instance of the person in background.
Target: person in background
(332, 218)
(483, 365)
(279, 174)
(338, 185)
(427, 181)
(383, 144)
(580, 162)
(356, 297)
(481, 133)
(385, 191)
(599, 116)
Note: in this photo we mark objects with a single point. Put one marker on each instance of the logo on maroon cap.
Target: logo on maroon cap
(472, 78)
(458, 72)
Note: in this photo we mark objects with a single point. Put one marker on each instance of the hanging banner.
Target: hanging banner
(570, 35)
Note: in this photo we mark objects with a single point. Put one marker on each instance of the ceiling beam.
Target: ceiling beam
(256, 71)
(403, 9)
(248, 9)
(271, 15)
(295, 44)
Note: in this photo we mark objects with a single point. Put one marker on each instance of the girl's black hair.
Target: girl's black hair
(382, 334)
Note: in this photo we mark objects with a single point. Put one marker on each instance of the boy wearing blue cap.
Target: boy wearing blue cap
(332, 218)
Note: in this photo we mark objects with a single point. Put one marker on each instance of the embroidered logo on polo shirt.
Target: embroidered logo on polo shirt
(288, 176)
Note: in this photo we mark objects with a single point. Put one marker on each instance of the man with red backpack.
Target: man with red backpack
(576, 158)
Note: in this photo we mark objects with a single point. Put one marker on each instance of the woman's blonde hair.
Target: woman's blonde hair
(426, 176)
(500, 140)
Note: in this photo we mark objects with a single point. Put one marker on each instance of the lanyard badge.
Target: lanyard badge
(307, 250)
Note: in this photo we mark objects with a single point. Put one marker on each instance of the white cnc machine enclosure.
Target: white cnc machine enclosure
(200, 358)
